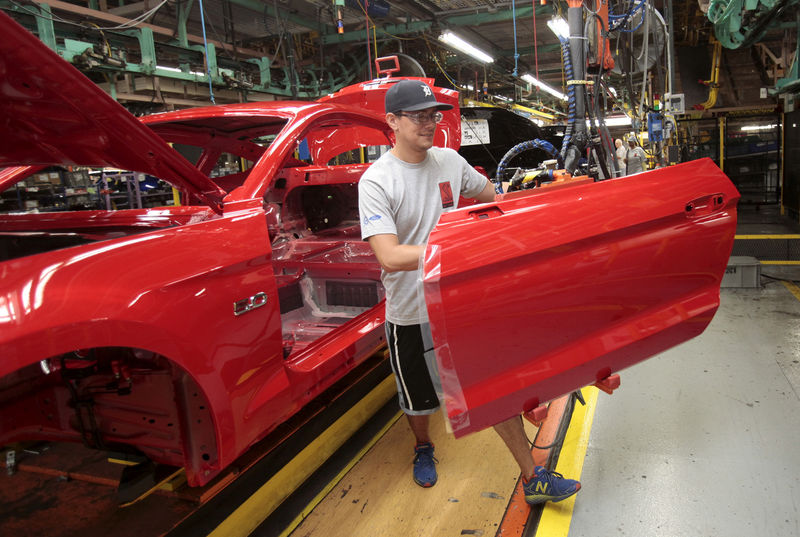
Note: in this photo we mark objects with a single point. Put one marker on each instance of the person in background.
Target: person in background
(620, 151)
(635, 158)
(400, 199)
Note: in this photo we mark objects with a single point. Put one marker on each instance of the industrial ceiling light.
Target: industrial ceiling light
(467, 48)
(617, 121)
(559, 27)
(176, 70)
(758, 127)
(530, 79)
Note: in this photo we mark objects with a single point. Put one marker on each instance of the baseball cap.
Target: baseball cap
(411, 95)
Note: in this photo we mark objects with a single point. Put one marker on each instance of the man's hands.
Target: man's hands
(394, 256)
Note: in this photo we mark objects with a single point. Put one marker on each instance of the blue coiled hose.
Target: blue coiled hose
(516, 150)
(615, 22)
(571, 110)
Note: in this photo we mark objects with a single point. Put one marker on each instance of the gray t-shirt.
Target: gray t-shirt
(398, 198)
(636, 159)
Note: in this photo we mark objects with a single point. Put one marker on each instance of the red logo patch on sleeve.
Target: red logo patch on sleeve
(447, 194)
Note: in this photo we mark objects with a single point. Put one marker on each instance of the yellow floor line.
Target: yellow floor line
(335, 481)
(793, 289)
(780, 262)
(257, 507)
(749, 237)
(556, 517)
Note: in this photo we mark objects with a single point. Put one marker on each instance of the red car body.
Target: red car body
(190, 332)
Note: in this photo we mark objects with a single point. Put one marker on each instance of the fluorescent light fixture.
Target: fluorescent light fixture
(559, 27)
(530, 79)
(467, 48)
(502, 98)
(618, 121)
(176, 70)
(758, 127)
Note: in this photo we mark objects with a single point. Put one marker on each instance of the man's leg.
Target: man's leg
(513, 434)
(416, 394)
(539, 484)
(419, 426)
(424, 472)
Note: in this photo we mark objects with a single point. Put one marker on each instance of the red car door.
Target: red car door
(534, 296)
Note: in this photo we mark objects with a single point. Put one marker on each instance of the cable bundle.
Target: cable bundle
(571, 110)
(516, 150)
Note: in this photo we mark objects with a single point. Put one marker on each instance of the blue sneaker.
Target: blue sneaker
(424, 465)
(548, 486)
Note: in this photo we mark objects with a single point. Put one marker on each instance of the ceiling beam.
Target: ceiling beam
(388, 30)
(550, 47)
(261, 7)
(472, 19)
(131, 9)
(476, 19)
(159, 30)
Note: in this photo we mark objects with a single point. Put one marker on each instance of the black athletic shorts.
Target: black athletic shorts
(407, 356)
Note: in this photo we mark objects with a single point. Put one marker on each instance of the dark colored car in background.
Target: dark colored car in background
(505, 130)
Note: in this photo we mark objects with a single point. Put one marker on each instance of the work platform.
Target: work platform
(341, 467)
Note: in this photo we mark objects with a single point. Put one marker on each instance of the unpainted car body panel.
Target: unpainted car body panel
(536, 295)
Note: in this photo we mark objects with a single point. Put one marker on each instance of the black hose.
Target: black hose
(572, 107)
(516, 150)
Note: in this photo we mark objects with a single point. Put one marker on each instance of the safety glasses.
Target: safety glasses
(420, 118)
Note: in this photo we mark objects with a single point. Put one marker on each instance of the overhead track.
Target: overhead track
(473, 19)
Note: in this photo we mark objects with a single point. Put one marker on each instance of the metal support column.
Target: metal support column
(184, 9)
(105, 192)
(722, 143)
(44, 26)
(147, 46)
(670, 44)
(263, 69)
(211, 57)
(137, 179)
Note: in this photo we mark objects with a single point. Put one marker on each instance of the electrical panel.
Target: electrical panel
(655, 127)
(675, 103)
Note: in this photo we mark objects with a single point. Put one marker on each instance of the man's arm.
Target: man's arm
(394, 256)
(487, 194)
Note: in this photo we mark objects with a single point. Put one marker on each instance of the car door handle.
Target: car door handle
(704, 205)
(486, 212)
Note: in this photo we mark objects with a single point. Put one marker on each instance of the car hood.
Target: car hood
(51, 114)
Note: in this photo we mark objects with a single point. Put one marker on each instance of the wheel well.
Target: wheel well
(113, 398)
